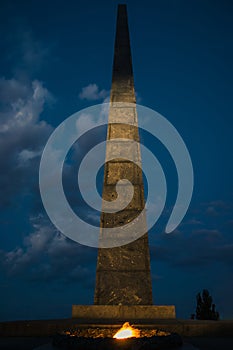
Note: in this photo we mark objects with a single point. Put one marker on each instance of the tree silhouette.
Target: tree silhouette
(205, 309)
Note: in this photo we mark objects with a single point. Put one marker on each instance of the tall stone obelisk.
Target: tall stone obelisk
(123, 273)
(123, 280)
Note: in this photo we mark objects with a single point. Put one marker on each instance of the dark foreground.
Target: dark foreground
(48, 328)
(201, 343)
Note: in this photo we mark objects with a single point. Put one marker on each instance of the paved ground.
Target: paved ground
(216, 343)
(22, 343)
(195, 343)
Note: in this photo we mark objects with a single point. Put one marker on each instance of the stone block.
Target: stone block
(124, 312)
(122, 115)
(123, 131)
(128, 257)
(115, 171)
(110, 194)
(123, 149)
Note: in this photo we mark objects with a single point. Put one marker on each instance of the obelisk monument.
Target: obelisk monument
(123, 273)
(123, 279)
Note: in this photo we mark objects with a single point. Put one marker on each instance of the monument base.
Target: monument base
(124, 312)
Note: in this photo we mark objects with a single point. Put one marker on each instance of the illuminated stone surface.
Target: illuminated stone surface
(123, 280)
(123, 273)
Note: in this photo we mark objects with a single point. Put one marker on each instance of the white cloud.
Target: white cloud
(34, 245)
(47, 254)
(22, 134)
(26, 155)
(12, 90)
(24, 107)
(92, 92)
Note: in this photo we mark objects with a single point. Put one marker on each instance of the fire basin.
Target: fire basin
(126, 338)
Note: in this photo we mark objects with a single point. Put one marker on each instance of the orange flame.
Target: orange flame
(127, 331)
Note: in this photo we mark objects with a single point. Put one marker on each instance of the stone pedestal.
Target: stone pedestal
(123, 312)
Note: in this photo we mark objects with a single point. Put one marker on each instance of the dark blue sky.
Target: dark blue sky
(182, 59)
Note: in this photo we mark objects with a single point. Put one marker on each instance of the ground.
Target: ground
(29, 343)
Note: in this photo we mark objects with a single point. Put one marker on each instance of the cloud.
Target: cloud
(22, 134)
(192, 222)
(26, 155)
(92, 92)
(27, 54)
(48, 255)
(33, 52)
(138, 97)
(216, 208)
(211, 211)
(12, 90)
(201, 247)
